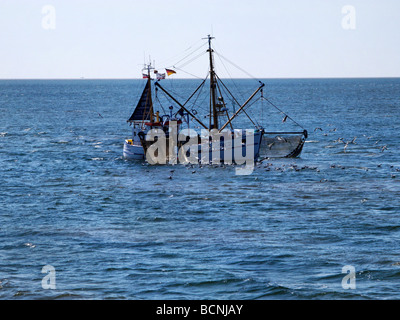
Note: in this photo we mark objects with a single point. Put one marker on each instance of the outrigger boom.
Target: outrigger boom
(242, 107)
(179, 104)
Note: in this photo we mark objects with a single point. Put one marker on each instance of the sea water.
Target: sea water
(77, 221)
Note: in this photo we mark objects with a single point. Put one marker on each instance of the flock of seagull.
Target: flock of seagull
(353, 141)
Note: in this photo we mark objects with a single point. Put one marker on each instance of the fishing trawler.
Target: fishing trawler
(158, 139)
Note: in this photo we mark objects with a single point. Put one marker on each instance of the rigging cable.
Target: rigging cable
(191, 60)
(226, 88)
(164, 62)
(262, 96)
(158, 99)
(193, 75)
(230, 76)
(236, 66)
(191, 53)
(286, 115)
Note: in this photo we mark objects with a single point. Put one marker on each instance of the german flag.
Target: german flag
(170, 72)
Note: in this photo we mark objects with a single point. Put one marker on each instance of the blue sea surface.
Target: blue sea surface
(117, 229)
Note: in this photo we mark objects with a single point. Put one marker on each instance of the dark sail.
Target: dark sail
(144, 107)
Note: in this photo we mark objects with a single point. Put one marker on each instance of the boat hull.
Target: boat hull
(264, 146)
(133, 151)
(229, 152)
(224, 151)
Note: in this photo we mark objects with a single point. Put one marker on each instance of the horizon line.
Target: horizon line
(237, 78)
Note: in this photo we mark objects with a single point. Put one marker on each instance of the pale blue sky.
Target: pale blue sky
(270, 39)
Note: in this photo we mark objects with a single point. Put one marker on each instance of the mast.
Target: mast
(213, 103)
(151, 101)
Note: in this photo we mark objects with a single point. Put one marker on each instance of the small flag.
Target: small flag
(160, 76)
(145, 76)
(170, 72)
